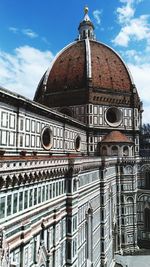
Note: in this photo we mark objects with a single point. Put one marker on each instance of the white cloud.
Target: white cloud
(141, 57)
(13, 29)
(125, 13)
(110, 28)
(122, 39)
(131, 1)
(132, 28)
(139, 66)
(146, 114)
(141, 76)
(126, 1)
(22, 70)
(97, 15)
(29, 33)
(137, 29)
(44, 39)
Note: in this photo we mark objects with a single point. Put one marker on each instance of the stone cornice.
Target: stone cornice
(23, 172)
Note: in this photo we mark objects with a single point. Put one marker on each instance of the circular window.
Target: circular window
(46, 138)
(113, 116)
(77, 143)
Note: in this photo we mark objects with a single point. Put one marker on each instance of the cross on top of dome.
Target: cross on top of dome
(86, 17)
(86, 9)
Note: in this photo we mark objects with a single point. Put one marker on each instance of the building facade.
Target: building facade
(73, 189)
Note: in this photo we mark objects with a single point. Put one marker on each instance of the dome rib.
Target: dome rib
(88, 58)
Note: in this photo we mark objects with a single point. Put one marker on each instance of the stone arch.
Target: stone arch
(89, 208)
(130, 199)
(145, 175)
(145, 167)
(126, 151)
(128, 169)
(145, 198)
(89, 234)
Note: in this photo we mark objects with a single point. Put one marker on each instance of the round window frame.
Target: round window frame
(47, 147)
(118, 122)
(75, 143)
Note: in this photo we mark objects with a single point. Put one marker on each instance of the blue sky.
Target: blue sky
(33, 31)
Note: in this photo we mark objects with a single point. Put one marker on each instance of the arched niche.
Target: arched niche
(126, 151)
(114, 151)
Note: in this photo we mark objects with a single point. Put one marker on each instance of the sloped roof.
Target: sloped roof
(115, 137)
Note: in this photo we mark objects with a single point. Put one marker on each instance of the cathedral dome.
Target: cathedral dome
(79, 61)
(83, 65)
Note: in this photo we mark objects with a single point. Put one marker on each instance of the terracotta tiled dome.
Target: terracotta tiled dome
(83, 71)
(108, 70)
(70, 69)
(115, 137)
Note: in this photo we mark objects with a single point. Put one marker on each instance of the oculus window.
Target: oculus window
(47, 138)
(113, 116)
(77, 143)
